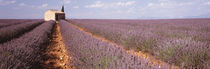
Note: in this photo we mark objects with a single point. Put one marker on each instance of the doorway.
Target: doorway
(56, 17)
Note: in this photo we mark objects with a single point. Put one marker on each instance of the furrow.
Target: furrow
(55, 55)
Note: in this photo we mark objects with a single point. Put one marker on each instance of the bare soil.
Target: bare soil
(55, 55)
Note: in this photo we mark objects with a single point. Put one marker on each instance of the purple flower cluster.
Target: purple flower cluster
(10, 22)
(91, 53)
(7, 33)
(16, 20)
(24, 52)
(183, 42)
(185, 52)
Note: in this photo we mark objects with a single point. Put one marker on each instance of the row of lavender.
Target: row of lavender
(183, 42)
(16, 20)
(10, 22)
(90, 53)
(7, 24)
(24, 52)
(16, 30)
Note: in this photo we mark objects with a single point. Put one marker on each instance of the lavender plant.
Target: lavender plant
(10, 22)
(153, 36)
(16, 20)
(91, 53)
(7, 33)
(24, 52)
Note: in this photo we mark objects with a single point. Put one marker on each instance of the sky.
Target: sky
(107, 9)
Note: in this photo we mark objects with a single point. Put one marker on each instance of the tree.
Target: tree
(62, 10)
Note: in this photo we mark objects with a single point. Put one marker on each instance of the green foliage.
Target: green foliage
(103, 62)
(202, 39)
(62, 10)
(175, 35)
(167, 52)
(148, 45)
(205, 29)
(170, 35)
(181, 28)
(160, 33)
(131, 43)
(174, 54)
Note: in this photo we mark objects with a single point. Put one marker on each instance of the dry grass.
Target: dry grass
(55, 55)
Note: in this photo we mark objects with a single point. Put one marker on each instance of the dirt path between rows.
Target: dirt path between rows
(139, 54)
(55, 55)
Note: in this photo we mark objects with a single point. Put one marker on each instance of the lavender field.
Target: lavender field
(105, 44)
(90, 53)
(182, 42)
(24, 51)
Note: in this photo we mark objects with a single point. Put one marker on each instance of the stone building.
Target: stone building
(54, 15)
